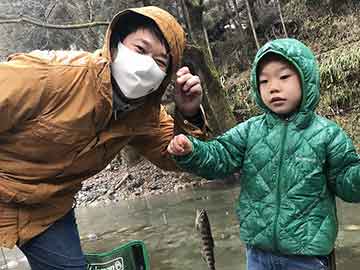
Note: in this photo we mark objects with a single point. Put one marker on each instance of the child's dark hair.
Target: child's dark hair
(132, 22)
(268, 58)
(271, 57)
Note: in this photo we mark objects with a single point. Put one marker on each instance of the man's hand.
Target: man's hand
(188, 92)
(180, 145)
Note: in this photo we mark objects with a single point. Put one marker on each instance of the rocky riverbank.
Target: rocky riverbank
(119, 182)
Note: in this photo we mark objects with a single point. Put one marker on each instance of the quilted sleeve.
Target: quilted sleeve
(219, 157)
(344, 167)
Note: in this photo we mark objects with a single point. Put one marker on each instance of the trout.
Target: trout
(202, 224)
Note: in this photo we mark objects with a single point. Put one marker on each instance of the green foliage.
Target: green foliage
(240, 97)
(340, 73)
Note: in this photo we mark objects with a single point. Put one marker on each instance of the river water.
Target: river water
(166, 224)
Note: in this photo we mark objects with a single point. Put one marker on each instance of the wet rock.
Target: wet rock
(92, 236)
(155, 186)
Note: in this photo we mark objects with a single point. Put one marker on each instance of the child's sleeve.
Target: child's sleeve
(219, 157)
(344, 168)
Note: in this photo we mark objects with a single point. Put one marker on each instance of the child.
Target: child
(293, 163)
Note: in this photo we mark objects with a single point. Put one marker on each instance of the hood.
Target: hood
(304, 61)
(170, 28)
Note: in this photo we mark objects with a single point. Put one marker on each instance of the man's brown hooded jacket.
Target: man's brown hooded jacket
(57, 129)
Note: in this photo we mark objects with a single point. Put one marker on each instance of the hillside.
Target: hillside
(335, 39)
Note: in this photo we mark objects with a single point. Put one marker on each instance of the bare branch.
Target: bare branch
(51, 10)
(281, 18)
(252, 23)
(30, 20)
(91, 11)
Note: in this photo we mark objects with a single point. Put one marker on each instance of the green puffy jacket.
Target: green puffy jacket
(291, 169)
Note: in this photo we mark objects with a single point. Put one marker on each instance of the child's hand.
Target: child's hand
(180, 145)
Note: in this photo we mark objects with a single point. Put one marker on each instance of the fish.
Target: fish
(202, 225)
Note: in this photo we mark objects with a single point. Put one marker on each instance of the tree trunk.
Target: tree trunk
(228, 13)
(252, 23)
(217, 108)
(207, 43)
(194, 10)
(199, 59)
(187, 19)
(240, 29)
(179, 14)
(281, 18)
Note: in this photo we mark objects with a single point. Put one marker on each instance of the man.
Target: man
(65, 115)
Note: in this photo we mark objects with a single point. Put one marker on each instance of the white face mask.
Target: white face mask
(136, 75)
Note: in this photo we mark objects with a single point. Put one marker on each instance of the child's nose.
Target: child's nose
(274, 87)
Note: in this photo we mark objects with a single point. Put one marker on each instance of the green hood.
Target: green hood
(304, 61)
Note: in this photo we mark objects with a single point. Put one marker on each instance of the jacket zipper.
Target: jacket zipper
(278, 199)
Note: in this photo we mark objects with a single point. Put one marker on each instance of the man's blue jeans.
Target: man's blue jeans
(262, 260)
(56, 248)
